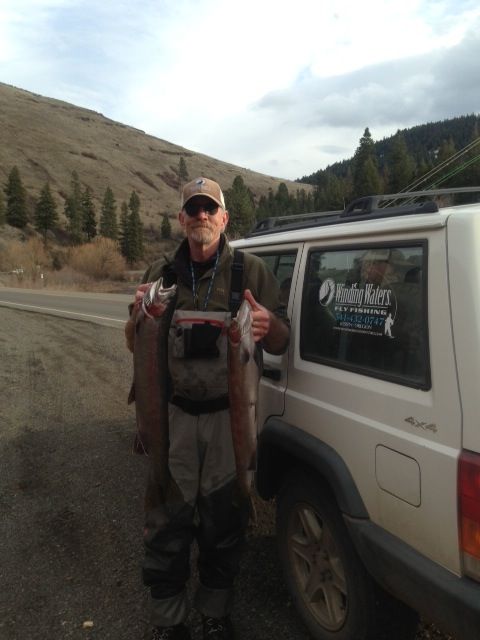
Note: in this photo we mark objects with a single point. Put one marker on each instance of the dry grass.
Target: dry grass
(98, 260)
(28, 258)
(47, 139)
(97, 266)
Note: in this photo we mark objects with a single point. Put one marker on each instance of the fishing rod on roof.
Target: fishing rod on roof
(437, 169)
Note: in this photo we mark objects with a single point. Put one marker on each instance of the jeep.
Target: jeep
(369, 432)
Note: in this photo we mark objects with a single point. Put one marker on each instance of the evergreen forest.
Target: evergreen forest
(430, 156)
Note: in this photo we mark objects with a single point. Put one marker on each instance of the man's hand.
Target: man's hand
(139, 293)
(130, 323)
(261, 317)
(268, 327)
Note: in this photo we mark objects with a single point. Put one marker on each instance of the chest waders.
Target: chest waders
(202, 461)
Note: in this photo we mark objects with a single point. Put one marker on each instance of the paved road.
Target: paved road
(109, 309)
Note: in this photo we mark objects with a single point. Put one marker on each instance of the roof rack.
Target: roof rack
(366, 208)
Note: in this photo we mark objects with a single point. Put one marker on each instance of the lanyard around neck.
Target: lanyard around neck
(210, 284)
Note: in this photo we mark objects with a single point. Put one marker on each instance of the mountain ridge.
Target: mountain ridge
(47, 139)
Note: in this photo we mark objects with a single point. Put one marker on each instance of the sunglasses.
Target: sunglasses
(192, 208)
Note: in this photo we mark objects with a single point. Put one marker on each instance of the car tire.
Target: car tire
(332, 591)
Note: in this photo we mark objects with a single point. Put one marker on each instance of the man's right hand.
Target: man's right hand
(130, 323)
(139, 293)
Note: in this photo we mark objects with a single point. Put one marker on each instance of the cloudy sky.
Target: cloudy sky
(280, 87)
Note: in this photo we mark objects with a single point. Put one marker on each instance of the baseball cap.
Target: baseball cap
(395, 256)
(203, 187)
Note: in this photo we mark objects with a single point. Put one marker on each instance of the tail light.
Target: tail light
(469, 512)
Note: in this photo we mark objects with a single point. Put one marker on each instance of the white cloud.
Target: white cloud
(272, 85)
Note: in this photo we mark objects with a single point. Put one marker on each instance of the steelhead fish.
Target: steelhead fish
(243, 378)
(150, 368)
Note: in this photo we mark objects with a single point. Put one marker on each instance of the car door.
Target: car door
(283, 260)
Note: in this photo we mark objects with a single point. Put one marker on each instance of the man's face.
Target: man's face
(374, 270)
(203, 226)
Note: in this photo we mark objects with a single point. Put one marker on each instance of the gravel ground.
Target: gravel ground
(71, 497)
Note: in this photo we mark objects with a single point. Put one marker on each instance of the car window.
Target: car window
(364, 309)
(282, 265)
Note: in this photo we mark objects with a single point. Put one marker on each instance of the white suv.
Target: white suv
(370, 424)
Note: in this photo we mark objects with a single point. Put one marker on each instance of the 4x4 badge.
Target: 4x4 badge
(426, 426)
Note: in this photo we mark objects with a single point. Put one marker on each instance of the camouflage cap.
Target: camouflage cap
(203, 187)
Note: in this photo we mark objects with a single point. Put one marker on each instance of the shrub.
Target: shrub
(30, 257)
(99, 259)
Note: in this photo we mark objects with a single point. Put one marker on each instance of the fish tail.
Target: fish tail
(131, 393)
(252, 511)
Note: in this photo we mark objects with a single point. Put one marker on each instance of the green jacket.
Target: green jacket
(256, 276)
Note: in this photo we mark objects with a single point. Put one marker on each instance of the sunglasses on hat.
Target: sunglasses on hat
(192, 208)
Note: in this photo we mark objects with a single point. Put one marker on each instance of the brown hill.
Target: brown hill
(47, 139)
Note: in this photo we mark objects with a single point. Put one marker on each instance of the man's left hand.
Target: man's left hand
(261, 317)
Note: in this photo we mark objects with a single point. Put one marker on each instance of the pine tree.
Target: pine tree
(304, 202)
(447, 150)
(46, 216)
(16, 214)
(467, 170)
(108, 216)
(472, 177)
(182, 170)
(124, 230)
(331, 195)
(135, 230)
(366, 178)
(2, 210)
(73, 209)
(262, 209)
(400, 165)
(239, 203)
(89, 222)
(282, 200)
(166, 228)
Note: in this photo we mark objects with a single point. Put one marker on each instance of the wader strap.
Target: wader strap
(169, 275)
(236, 286)
(197, 407)
(236, 283)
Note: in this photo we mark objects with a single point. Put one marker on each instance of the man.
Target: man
(201, 457)
(378, 266)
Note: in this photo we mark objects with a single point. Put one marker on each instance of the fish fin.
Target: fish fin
(245, 356)
(131, 394)
(140, 446)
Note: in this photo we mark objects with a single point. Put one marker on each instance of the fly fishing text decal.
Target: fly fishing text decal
(360, 307)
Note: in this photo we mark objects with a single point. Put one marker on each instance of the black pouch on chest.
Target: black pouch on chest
(200, 341)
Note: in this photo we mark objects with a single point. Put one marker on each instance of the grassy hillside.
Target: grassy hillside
(47, 139)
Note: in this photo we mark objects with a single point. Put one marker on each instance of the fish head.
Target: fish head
(157, 297)
(241, 323)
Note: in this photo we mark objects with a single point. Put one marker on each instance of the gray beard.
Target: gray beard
(202, 235)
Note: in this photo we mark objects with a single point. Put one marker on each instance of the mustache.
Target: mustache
(204, 225)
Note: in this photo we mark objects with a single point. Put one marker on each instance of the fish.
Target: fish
(244, 369)
(150, 374)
